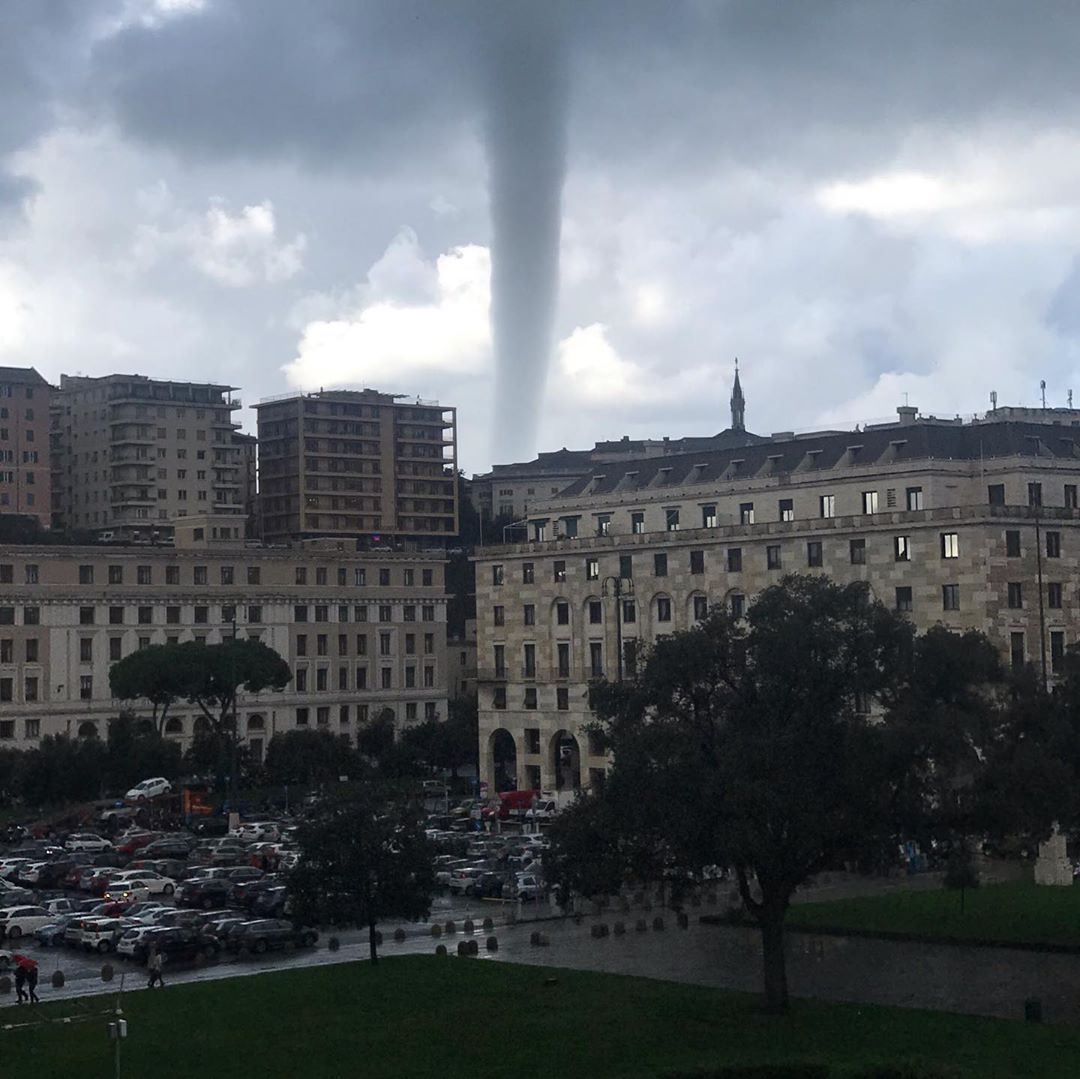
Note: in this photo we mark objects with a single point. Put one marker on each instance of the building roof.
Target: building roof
(22, 375)
(884, 445)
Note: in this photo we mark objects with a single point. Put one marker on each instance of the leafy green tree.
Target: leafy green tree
(364, 857)
(135, 750)
(376, 738)
(309, 757)
(63, 769)
(161, 674)
(451, 743)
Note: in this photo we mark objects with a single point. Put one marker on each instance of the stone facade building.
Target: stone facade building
(967, 525)
(24, 444)
(130, 454)
(360, 631)
(360, 464)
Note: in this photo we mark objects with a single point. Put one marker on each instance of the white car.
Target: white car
(126, 891)
(154, 883)
(148, 788)
(257, 832)
(87, 841)
(18, 921)
(133, 939)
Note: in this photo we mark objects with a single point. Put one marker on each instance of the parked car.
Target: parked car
(154, 883)
(51, 935)
(183, 942)
(132, 942)
(87, 841)
(489, 886)
(167, 847)
(126, 892)
(463, 880)
(271, 902)
(207, 893)
(129, 844)
(100, 934)
(148, 788)
(61, 906)
(528, 886)
(267, 933)
(17, 921)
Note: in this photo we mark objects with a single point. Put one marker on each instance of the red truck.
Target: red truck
(515, 804)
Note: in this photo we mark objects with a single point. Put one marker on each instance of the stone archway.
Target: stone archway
(502, 757)
(174, 725)
(564, 756)
(88, 729)
(256, 723)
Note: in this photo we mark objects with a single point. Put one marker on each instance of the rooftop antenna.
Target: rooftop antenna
(905, 400)
(1042, 390)
(993, 399)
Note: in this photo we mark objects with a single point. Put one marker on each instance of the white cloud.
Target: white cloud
(411, 318)
(236, 250)
(593, 373)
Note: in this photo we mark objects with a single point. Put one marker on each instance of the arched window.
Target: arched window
(256, 723)
(174, 725)
(88, 730)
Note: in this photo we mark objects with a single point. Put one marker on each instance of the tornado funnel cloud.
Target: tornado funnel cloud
(526, 144)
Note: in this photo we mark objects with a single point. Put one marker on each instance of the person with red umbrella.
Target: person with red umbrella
(26, 978)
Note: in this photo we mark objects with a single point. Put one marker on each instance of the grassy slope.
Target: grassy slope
(421, 1017)
(1021, 912)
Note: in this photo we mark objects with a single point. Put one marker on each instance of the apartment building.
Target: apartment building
(361, 631)
(966, 525)
(24, 444)
(358, 464)
(249, 491)
(130, 454)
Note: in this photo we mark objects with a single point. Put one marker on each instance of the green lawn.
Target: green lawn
(1020, 913)
(448, 1018)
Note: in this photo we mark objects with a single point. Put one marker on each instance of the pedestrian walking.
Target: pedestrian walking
(31, 982)
(20, 984)
(153, 964)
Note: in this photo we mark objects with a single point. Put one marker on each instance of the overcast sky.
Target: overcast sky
(860, 200)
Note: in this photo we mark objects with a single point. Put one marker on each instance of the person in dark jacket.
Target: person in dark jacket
(31, 983)
(20, 984)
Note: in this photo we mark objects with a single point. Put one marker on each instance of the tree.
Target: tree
(450, 743)
(376, 737)
(160, 674)
(135, 751)
(363, 857)
(741, 744)
(309, 757)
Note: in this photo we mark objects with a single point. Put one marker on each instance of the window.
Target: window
(301, 717)
(950, 545)
(1053, 544)
(301, 679)
(427, 612)
(384, 577)
(172, 575)
(498, 615)
(360, 576)
(827, 505)
(116, 575)
(734, 559)
(146, 615)
(86, 575)
(562, 699)
(86, 650)
(914, 498)
(738, 605)
(813, 553)
(300, 612)
(787, 509)
(772, 556)
(361, 644)
(202, 616)
(558, 571)
(530, 698)
(320, 576)
(528, 573)
(254, 613)
(1016, 595)
(901, 548)
(869, 501)
(384, 644)
(596, 659)
(31, 616)
(201, 575)
(321, 644)
(115, 646)
(7, 616)
(1070, 496)
(360, 613)
(86, 616)
(320, 679)
(498, 698)
(570, 529)
(858, 552)
(562, 613)
(626, 567)
(596, 612)
(697, 562)
(172, 615)
(361, 677)
(116, 616)
(529, 614)
(663, 609)
(386, 678)
(228, 575)
(671, 520)
(660, 565)
(1057, 650)
(592, 569)
(950, 597)
(427, 577)
(86, 687)
(7, 693)
(300, 575)
(708, 516)
(385, 612)
(1016, 651)
(7, 574)
(701, 608)
(995, 494)
(31, 650)
(637, 523)
(1012, 543)
(903, 598)
(343, 644)
(1053, 595)
(746, 513)
(1035, 494)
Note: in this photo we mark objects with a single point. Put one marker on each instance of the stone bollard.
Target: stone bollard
(5, 983)
(534, 938)
(469, 926)
(620, 929)
(599, 930)
(493, 944)
(333, 944)
(641, 926)
(684, 920)
(107, 972)
(451, 928)
(658, 923)
(474, 947)
(58, 979)
(440, 950)
(436, 929)
(489, 925)
(399, 935)
(463, 948)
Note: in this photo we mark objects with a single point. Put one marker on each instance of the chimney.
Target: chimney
(907, 413)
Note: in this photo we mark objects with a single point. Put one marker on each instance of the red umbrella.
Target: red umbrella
(24, 961)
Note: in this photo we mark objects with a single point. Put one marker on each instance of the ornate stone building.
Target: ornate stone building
(968, 525)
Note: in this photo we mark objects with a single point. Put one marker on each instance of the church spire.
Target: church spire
(738, 403)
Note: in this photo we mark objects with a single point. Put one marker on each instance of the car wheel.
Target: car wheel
(14, 933)
(168, 890)
(102, 946)
(469, 889)
(140, 798)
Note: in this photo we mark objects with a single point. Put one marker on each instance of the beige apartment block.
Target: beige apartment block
(130, 454)
(360, 631)
(966, 525)
(360, 464)
(24, 444)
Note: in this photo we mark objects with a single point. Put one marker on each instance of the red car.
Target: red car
(135, 842)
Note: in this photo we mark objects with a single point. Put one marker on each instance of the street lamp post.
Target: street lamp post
(619, 587)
